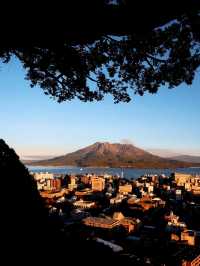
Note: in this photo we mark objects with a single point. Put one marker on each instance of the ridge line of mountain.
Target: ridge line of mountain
(112, 155)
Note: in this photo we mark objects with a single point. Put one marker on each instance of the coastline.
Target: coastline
(108, 167)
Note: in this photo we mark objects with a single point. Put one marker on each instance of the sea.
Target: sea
(129, 173)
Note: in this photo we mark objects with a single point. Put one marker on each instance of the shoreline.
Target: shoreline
(108, 167)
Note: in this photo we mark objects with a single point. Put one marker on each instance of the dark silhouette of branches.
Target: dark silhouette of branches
(118, 47)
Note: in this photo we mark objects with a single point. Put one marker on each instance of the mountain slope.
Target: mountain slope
(187, 158)
(111, 155)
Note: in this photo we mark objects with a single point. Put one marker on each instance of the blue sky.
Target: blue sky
(34, 124)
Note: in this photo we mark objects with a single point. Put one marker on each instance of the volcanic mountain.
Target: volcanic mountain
(111, 155)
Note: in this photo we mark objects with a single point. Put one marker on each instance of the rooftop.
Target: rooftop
(99, 220)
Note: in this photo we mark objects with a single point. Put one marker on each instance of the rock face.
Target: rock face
(112, 155)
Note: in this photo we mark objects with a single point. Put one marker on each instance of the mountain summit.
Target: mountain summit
(105, 154)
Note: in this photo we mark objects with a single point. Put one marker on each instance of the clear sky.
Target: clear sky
(34, 124)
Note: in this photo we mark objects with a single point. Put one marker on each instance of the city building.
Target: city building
(54, 195)
(40, 186)
(174, 237)
(125, 189)
(150, 189)
(83, 192)
(118, 199)
(82, 204)
(195, 190)
(154, 178)
(130, 224)
(146, 202)
(189, 236)
(132, 199)
(41, 175)
(181, 178)
(191, 261)
(188, 186)
(72, 185)
(42, 179)
(178, 194)
(98, 183)
(85, 179)
(174, 223)
(105, 223)
(53, 184)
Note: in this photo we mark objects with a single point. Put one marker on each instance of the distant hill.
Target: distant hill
(164, 153)
(187, 158)
(32, 158)
(111, 155)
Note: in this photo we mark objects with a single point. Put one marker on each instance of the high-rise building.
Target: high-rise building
(72, 185)
(54, 184)
(98, 183)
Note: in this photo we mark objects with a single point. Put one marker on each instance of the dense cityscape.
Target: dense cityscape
(151, 220)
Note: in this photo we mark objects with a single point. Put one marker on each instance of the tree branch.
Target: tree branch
(149, 63)
(110, 38)
(155, 58)
(94, 80)
(43, 70)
